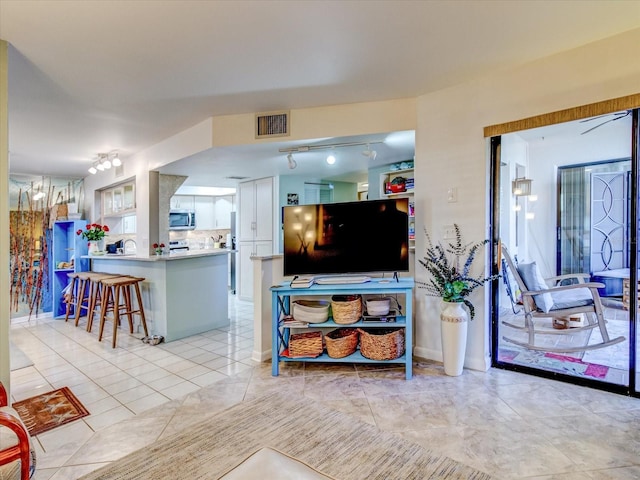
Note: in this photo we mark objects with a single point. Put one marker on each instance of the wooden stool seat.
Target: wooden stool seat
(113, 290)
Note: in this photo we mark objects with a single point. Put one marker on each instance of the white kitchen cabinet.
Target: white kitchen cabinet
(256, 213)
(256, 210)
(129, 224)
(182, 202)
(204, 206)
(119, 200)
(223, 209)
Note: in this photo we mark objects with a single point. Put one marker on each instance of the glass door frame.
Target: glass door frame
(494, 232)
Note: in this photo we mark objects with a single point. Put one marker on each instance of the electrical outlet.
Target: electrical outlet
(448, 232)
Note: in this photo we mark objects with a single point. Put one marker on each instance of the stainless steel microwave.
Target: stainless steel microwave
(182, 220)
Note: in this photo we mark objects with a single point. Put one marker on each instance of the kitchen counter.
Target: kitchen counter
(156, 258)
(184, 294)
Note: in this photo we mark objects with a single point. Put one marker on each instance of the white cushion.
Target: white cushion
(534, 280)
(8, 439)
(268, 463)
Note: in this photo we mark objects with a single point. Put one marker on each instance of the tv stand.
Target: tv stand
(342, 279)
(283, 295)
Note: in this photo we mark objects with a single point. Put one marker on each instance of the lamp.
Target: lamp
(93, 170)
(331, 159)
(116, 162)
(292, 163)
(521, 187)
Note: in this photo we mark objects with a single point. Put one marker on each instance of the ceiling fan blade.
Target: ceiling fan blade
(618, 117)
(599, 125)
(620, 114)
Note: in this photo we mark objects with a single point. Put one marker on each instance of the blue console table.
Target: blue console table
(281, 305)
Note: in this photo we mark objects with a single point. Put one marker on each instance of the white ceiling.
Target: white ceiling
(93, 76)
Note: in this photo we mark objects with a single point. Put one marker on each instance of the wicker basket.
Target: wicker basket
(382, 344)
(308, 344)
(341, 342)
(346, 309)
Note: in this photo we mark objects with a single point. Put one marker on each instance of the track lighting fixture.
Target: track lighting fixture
(292, 163)
(372, 154)
(331, 158)
(104, 162)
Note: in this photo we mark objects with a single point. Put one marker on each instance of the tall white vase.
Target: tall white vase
(454, 321)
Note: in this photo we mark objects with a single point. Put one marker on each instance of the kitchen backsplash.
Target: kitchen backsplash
(200, 239)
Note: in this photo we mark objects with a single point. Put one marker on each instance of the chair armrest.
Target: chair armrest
(22, 450)
(4, 399)
(581, 277)
(590, 286)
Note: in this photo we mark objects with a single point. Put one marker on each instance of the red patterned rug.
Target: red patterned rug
(50, 410)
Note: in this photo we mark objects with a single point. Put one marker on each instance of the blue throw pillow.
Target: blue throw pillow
(534, 280)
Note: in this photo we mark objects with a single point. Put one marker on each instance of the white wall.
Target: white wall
(4, 215)
(545, 156)
(451, 151)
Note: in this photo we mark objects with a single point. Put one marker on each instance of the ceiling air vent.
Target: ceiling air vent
(272, 124)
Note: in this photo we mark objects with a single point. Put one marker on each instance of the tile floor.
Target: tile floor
(510, 425)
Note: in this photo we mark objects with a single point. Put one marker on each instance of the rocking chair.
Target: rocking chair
(559, 303)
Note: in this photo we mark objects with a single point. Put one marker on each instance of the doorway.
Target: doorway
(565, 203)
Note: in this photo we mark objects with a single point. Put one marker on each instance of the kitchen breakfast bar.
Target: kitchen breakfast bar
(183, 294)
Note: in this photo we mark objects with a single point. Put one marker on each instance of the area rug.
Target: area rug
(17, 358)
(331, 442)
(50, 410)
(554, 362)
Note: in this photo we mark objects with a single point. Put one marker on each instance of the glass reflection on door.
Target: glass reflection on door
(573, 226)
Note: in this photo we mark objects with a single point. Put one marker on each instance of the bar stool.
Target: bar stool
(114, 290)
(70, 298)
(93, 297)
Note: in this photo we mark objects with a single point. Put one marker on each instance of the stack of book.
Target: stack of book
(302, 282)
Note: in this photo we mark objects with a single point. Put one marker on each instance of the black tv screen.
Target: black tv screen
(353, 237)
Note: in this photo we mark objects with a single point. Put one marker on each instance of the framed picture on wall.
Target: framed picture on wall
(292, 199)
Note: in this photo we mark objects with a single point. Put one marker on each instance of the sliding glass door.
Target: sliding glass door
(566, 220)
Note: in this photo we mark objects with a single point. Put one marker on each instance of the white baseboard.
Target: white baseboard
(261, 356)
(474, 363)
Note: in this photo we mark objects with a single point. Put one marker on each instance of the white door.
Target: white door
(264, 209)
(246, 211)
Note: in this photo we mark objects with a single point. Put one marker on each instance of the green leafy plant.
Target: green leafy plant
(449, 267)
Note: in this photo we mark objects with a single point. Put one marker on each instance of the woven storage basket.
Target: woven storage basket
(346, 308)
(308, 344)
(382, 344)
(341, 342)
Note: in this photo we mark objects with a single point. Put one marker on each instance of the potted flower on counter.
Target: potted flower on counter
(158, 248)
(95, 234)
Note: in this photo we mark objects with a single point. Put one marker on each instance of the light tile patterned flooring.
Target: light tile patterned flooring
(510, 425)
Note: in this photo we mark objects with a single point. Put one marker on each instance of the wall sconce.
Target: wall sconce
(521, 187)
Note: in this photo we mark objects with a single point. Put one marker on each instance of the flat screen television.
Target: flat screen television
(346, 238)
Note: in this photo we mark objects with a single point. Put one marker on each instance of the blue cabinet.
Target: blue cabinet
(281, 304)
(68, 249)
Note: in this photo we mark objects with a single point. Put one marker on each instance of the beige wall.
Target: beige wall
(4, 215)
(451, 151)
(320, 122)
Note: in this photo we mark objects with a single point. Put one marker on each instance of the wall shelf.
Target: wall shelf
(67, 246)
